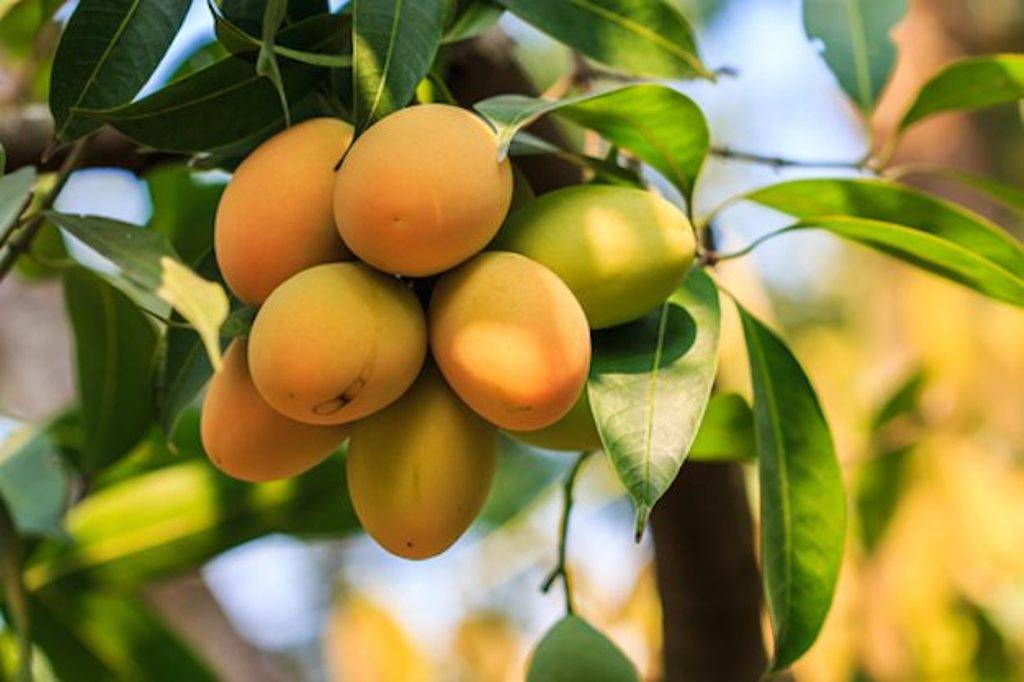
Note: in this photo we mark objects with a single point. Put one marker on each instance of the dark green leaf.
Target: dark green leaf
(249, 13)
(184, 208)
(522, 476)
(649, 385)
(186, 371)
(240, 42)
(108, 51)
(393, 46)
(916, 227)
(642, 37)
(266, 63)
(147, 262)
(573, 651)
(227, 102)
(879, 485)
(114, 349)
(727, 431)
(475, 17)
(171, 520)
(969, 84)
(34, 482)
(15, 190)
(858, 49)
(90, 635)
(660, 126)
(803, 513)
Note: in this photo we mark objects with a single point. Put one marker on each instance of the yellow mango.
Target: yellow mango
(511, 340)
(246, 438)
(419, 471)
(275, 218)
(336, 342)
(422, 190)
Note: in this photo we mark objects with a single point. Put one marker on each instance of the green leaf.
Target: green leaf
(187, 369)
(573, 651)
(858, 48)
(249, 13)
(266, 62)
(16, 611)
(148, 263)
(1007, 195)
(184, 209)
(968, 84)
(171, 520)
(227, 102)
(240, 42)
(649, 385)
(525, 144)
(522, 476)
(923, 230)
(727, 431)
(114, 348)
(641, 37)
(34, 482)
(15, 190)
(108, 51)
(474, 18)
(393, 46)
(661, 127)
(878, 487)
(803, 513)
(91, 635)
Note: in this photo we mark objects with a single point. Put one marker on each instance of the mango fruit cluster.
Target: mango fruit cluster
(403, 307)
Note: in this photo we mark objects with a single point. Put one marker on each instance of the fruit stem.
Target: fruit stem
(561, 569)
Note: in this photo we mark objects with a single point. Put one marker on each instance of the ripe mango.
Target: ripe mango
(336, 342)
(422, 190)
(246, 438)
(275, 218)
(575, 431)
(620, 250)
(511, 340)
(420, 470)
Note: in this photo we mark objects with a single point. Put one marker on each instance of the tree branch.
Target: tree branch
(779, 162)
(560, 569)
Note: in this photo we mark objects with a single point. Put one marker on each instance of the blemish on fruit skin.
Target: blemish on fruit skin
(342, 399)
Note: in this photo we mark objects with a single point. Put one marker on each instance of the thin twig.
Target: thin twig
(560, 569)
(778, 162)
(22, 241)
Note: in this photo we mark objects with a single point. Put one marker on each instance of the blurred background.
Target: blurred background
(922, 381)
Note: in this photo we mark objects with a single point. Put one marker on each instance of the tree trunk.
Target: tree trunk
(708, 577)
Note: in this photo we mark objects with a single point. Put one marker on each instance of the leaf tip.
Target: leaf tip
(642, 513)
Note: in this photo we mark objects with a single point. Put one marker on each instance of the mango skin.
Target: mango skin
(575, 432)
(420, 470)
(511, 340)
(247, 439)
(276, 218)
(622, 251)
(336, 342)
(422, 190)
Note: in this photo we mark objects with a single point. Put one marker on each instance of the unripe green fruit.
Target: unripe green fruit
(575, 431)
(573, 651)
(419, 471)
(622, 251)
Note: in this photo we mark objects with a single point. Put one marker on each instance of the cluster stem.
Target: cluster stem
(561, 570)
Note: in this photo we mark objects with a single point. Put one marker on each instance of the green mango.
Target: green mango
(573, 651)
(621, 250)
(575, 431)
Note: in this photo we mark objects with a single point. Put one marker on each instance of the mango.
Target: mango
(275, 218)
(419, 471)
(422, 190)
(576, 431)
(622, 251)
(511, 340)
(573, 651)
(246, 438)
(336, 342)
